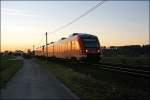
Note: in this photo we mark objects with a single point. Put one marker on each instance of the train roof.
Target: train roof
(63, 38)
(80, 34)
(74, 34)
(71, 36)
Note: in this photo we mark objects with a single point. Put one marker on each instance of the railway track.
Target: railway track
(118, 68)
(127, 69)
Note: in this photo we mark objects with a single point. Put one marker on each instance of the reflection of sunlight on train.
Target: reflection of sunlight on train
(78, 46)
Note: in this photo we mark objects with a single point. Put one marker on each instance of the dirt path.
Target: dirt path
(34, 82)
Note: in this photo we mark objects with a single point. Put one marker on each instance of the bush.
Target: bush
(26, 56)
(123, 60)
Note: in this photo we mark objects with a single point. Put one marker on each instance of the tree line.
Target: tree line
(128, 50)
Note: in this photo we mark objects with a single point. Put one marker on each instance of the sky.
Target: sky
(24, 23)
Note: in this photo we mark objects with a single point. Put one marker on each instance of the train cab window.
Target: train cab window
(90, 42)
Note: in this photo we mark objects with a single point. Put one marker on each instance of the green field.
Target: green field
(9, 66)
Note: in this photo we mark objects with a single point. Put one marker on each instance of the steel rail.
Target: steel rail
(132, 69)
(125, 70)
(112, 67)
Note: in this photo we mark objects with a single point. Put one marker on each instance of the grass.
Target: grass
(6, 58)
(143, 61)
(89, 88)
(9, 66)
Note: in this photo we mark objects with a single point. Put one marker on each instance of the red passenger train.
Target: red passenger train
(78, 46)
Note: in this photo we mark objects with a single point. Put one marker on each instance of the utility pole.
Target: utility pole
(33, 48)
(46, 48)
(33, 51)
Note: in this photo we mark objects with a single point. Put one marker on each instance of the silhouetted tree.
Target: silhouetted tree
(129, 50)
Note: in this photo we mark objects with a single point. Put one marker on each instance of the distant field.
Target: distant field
(143, 61)
(9, 66)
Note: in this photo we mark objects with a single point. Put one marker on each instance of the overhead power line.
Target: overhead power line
(40, 41)
(73, 21)
(76, 19)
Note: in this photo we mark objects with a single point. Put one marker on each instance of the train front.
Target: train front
(91, 47)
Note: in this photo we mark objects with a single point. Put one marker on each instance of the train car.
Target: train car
(78, 46)
(90, 47)
(39, 52)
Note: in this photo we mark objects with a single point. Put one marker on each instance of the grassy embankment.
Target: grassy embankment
(142, 61)
(89, 88)
(9, 66)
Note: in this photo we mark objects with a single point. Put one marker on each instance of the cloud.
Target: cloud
(16, 12)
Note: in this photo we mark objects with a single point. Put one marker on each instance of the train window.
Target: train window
(55, 49)
(64, 47)
(90, 42)
(61, 50)
(58, 48)
(76, 45)
(73, 45)
(69, 45)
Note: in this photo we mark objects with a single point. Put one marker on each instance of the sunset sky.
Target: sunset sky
(24, 23)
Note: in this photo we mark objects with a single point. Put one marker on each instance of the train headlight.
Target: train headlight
(86, 50)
